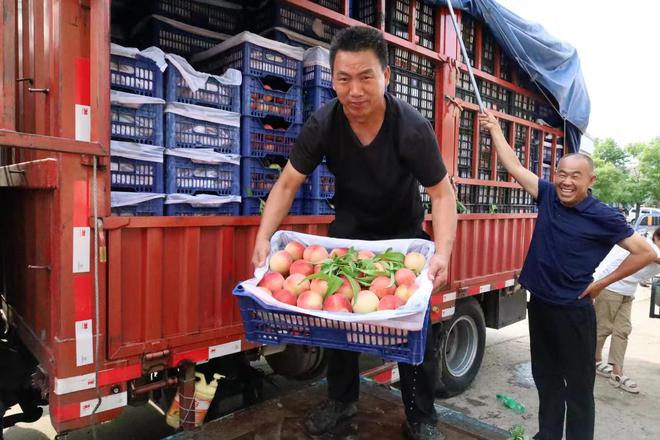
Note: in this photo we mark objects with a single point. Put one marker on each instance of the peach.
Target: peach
(310, 300)
(295, 249)
(272, 281)
(365, 255)
(337, 303)
(382, 286)
(414, 261)
(405, 291)
(296, 283)
(317, 268)
(318, 285)
(404, 276)
(315, 253)
(346, 289)
(301, 266)
(285, 297)
(366, 302)
(390, 302)
(338, 252)
(280, 262)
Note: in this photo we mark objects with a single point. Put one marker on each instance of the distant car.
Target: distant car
(647, 223)
(642, 211)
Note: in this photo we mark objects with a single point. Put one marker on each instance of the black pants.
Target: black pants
(563, 348)
(418, 382)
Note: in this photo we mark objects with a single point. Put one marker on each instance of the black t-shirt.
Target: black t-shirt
(376, 186)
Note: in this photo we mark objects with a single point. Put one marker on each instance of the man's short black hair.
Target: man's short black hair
(357, 39)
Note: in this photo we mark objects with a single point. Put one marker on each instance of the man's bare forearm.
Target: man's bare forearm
(632, 264)
(443, 217)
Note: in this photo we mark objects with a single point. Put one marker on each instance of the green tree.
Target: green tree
(609, 164)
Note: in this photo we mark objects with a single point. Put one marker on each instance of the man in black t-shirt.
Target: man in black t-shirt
(379, 148)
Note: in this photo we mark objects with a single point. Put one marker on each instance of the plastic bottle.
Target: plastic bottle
(204, 394)
(511, 403)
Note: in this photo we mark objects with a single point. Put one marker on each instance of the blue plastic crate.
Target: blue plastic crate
(265, 324)
(184, 132)
(258, 101)
(257, 178)
(187, 176)
(135, 175)
(279, 14)
(314, 98)
(148, 208)
(225, 16)
(258, 141)
(318, 207)
(143, 125)
(317, 76)
(322, 183)
(254, 206)
(261, 62)
(140, 76)
(214, 94)
(175, 37)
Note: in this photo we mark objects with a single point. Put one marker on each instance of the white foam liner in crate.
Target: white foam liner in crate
(201, 200)
(118, 198)
(133, 150)
(207, 114)
(153, 53)
(197, 80)
(317, 56)
(132, 100)
(204, 155)
(408, 317)
(248, 37)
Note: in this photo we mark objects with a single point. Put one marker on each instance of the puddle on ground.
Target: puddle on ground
(522, 375)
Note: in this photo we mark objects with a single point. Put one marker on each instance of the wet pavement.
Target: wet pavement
(380, 415)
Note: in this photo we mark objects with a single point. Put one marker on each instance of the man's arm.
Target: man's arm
(641, 254)
(277, 207)
(528, 180)
(443, 215)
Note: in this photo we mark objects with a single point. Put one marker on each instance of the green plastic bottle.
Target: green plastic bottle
(511, 403)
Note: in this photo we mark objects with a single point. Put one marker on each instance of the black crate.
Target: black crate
(397, 16)
(335, 5)
(415, 90)
(522, 106)
(485, 155)
(464, 89)
(400, 58)
(495, 96)
(487, 52)
(520, 140)
(502, 174)
(506, 67)
(468, 33)
(263, 16)
(465, 138)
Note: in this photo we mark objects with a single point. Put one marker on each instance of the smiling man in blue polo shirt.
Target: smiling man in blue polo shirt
(574, 232)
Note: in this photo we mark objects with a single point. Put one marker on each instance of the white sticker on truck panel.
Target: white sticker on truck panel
(73, 384)
(81, 249)
(216, 351)
(84, 345)
(107, 403)
(83, 122)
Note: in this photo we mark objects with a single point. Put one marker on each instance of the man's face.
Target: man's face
(360, 82)
(573, 179)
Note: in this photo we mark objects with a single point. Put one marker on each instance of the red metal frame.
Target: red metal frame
(489, 248)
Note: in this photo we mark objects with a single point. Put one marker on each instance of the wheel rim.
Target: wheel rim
(461, 346)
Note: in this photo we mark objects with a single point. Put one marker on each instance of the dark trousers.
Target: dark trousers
(418, 382)
(563, 348)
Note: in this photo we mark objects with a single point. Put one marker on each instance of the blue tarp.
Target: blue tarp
(552, 64)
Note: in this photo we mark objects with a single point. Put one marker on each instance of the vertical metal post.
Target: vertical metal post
(187, 395)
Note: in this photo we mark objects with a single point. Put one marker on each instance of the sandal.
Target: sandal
(604, 369)
(625, 383)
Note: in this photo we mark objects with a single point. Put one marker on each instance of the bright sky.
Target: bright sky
(617, 46)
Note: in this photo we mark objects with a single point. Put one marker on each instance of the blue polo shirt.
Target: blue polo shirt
(567, 246)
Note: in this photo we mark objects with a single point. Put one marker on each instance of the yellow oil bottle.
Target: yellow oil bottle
(204, 394)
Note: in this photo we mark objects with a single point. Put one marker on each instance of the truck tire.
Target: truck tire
(461, 348)
(299, 362)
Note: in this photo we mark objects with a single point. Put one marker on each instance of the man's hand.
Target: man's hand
(488, 121)
(261, 251)
(438, 271)
(593, 290)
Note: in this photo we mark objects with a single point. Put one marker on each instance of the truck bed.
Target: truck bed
(379, 417)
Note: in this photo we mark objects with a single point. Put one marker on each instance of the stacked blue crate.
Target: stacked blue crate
(202, 137)
(271, 108)
(317, 90)
(136, 120)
